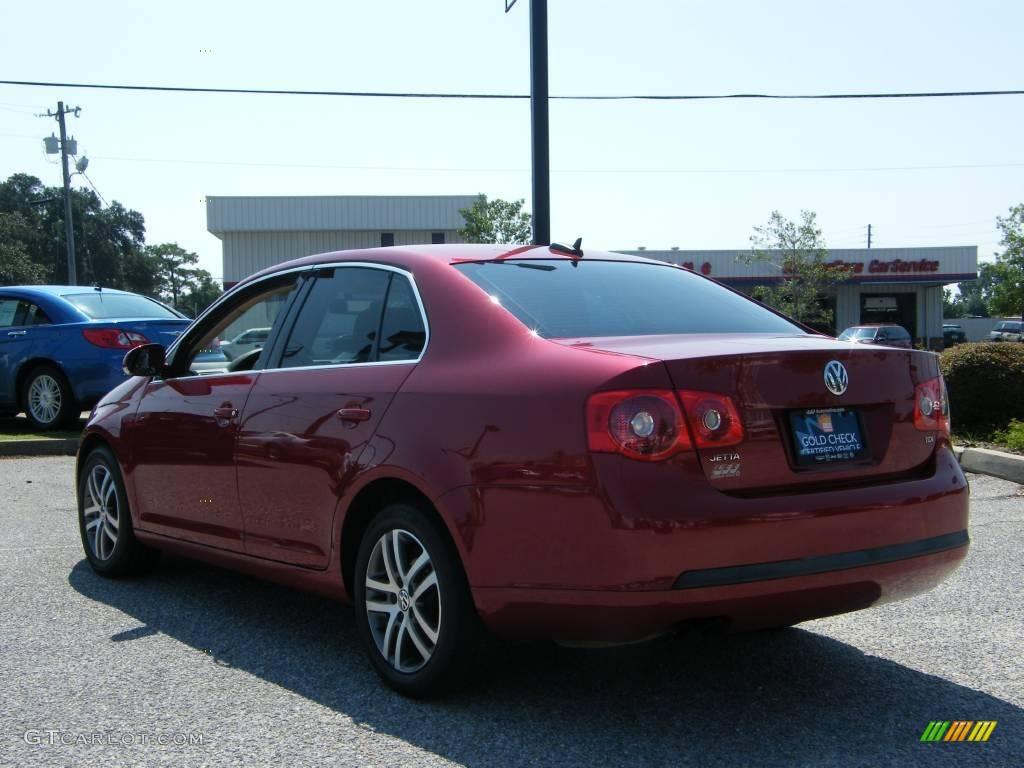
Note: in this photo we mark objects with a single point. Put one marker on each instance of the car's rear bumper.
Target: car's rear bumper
(91, 378)
(656, 545)
(616, 616)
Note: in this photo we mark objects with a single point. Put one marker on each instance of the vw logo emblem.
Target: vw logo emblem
(404, 601)
(836, 379)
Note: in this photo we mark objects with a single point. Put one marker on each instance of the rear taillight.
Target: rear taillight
(649, 424)
(641, 424)
(113, 338)
(713, 419)
(931, 406)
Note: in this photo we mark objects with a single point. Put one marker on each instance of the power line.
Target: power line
(98, 193)
(435, 169)
(516, 96)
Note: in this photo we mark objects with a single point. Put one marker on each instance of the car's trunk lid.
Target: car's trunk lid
(791, 420)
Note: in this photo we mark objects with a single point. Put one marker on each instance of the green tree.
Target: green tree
(972, 297)
(797, 250)
(16, 266)
(1005, 276)
(496, 221)
(203, 294)
(176, 271)
(108, 240)
(179, 281)
(951, 306)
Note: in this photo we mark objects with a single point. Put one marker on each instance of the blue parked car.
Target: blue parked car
(61, 346)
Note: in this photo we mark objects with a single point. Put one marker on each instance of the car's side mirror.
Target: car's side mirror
(144, 360)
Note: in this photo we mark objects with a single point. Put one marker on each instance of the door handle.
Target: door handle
(226, 412)
(354, 414)
(16, 333)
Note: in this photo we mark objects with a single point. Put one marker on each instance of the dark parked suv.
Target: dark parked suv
(885, 335)
(953, 334)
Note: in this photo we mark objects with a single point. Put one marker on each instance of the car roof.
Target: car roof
(411, 256)
(61, 290)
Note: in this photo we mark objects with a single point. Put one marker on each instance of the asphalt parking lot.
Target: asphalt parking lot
(263, 675)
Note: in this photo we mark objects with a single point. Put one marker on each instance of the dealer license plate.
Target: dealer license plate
(826, 435)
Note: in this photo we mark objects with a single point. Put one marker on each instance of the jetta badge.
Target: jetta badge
(836, 379)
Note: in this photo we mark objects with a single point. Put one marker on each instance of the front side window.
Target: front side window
(15, 312)
(211, 352)
(563, 298)
(340, 319)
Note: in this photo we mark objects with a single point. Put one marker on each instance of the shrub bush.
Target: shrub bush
(986, 385)
(1013, 436)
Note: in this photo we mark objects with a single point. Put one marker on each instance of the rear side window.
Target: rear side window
(109, 306)
(402, 332)
(340, 319)
(561, 298)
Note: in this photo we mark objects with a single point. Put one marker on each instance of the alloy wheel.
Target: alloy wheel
(403, 601)
(101, 512)
(44, 398)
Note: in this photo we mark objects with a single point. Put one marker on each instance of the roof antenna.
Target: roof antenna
(576, 250)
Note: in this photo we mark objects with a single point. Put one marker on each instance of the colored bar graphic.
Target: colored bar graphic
(935, 730)
(958, 730)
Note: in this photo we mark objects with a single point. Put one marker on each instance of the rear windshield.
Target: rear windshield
(563, 299)
(108, 306)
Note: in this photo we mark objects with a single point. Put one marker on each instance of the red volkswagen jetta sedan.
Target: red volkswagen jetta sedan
(580, 446)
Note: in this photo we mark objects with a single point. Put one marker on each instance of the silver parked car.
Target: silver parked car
(246, 341)
(1008, 330)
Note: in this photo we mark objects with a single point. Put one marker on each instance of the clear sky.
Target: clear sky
(625, 174)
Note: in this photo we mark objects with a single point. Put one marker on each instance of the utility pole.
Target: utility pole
(539, 114)
(539, 119)
(69, 230)
(869, 237)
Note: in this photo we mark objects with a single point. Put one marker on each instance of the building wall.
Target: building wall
(977, 328)
(249, 252)
(353, 213)
(876, 264)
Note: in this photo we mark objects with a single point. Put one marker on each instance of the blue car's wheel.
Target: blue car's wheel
(47, 398)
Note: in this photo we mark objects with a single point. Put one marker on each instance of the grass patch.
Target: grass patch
(18, 428)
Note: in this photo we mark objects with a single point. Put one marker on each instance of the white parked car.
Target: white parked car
(246, 341)
(1008, 330)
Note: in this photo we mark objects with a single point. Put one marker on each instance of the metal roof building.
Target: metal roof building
(259, 232)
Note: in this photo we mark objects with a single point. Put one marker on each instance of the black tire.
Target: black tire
(47, 398)
(456, 619)
(118, 553)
